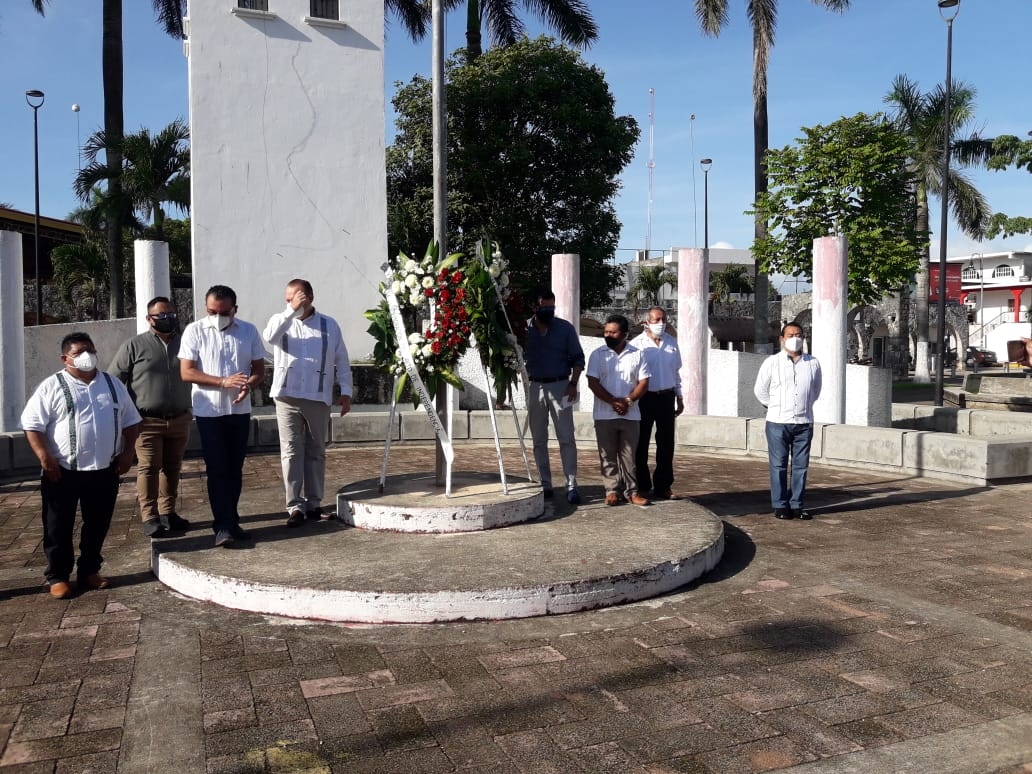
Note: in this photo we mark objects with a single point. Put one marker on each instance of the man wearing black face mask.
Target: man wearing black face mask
(554, 362)
(148, 364)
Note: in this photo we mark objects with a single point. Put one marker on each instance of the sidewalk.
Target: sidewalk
(892, 633)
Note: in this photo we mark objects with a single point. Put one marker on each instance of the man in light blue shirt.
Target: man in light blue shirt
(788, 385)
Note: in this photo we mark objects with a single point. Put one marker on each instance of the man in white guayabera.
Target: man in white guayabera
(788, 385)
(308, 347)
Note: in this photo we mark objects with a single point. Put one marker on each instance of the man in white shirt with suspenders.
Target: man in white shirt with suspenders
(307, 348)
(81, 424)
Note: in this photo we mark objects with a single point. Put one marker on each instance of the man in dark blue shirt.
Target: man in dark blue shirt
(555, 361)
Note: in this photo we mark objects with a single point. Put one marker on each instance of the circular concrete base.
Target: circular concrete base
(413, 503)
(569, 560)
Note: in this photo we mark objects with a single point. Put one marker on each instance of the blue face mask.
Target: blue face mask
(545, 314)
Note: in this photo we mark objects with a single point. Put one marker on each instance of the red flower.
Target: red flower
(445, 294)
(457, 277)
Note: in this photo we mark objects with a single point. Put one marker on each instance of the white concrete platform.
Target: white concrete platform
(566, 561)
(413, 503)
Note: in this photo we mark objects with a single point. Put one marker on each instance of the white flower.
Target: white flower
(415, 338)
(415, 299)
(413, 349)
(409, 266)
(428, 282)
(396, 288)
(427, 350)
(496, 254)
(494, 271)
(504, 280)
(411, 280)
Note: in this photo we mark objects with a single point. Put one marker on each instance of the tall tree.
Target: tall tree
(763, 14)
(852, 178)
(155, 171)
(648, 284)
(1008, 151)
(570, 20)
(170, 15)
(919, 118)
(535, 151)
(733, 278)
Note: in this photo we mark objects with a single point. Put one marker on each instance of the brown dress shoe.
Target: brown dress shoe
(95, 581)
(60, 590)
(612, 499)
(637, 499)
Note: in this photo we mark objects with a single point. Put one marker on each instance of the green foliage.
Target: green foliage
(1010, 151)
(1001, 225)
(81, 276)
(534, 154)
(733, 278)
(649, 281)
(851, 178)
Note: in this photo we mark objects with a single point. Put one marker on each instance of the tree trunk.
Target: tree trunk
(761, 326)
(113, 129)
(474, 40)
(922, 372)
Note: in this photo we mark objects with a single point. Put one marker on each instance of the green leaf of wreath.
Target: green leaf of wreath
(451, 378)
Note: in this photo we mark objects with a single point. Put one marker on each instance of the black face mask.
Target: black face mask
(545, 314)
(613, 343)
(167, 325)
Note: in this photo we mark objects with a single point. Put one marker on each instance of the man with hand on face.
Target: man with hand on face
(788, 385)
(554, 363)
(660, 406)
(81, 424)
(148, 364)
(223, 358)
(618, 375)
(307, 347)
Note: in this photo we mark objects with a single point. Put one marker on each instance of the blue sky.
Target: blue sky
(823, 66)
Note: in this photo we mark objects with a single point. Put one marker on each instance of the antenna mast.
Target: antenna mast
(651, 166)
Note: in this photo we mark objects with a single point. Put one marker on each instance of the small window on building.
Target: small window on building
(325, 9)
(1003, 270)
(253, 5)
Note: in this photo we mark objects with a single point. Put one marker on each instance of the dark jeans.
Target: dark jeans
(783, 440)
(656, 411)
(94, 491)
(224, 443)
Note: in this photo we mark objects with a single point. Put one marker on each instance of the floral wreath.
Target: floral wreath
(449, 302)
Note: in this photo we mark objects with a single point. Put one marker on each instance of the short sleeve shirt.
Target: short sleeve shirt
(90, 436)
(619, 373)
(220, 353)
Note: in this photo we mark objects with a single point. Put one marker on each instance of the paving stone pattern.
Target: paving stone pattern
(891, 633)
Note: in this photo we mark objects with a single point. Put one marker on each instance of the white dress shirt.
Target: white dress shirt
(91, 436)
(789, 388)
(220, 353)
(619, 373)
(302, 351)
(664, 359)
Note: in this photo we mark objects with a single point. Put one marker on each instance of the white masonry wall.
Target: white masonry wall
(287, 157)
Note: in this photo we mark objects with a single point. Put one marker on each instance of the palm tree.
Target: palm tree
(155, 170)
(170, 16)
(571, 20)
(81, 275)
(733, 278)
(919, 118)
(647, 285)
(763, 14)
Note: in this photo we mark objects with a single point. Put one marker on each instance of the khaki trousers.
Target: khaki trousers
(617, 441)
(159, 454)
(303, 428)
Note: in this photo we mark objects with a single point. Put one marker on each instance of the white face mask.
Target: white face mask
(220, 321)
(794, 344)
(657, 329)
(85, 361)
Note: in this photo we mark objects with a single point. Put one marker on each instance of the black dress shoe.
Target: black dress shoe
(153, 528)
(802, 514)
(174, 521)
(548, 493)
(239, 534)
(782, 513)
(314, 513)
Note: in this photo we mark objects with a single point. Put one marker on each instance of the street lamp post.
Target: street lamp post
(35, 98)
(948, 16)
(705, 164)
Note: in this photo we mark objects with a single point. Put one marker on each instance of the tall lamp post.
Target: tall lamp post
(948, 10)
(34, 98)
(705, 164)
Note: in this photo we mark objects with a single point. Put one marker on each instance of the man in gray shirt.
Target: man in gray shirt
(148, 364)
(554, 363)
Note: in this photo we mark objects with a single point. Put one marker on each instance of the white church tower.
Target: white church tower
(287, 154)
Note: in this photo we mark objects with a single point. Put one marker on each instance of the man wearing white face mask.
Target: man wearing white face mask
(81, 424)
(223, 358)
(788, 385)
(660, 406)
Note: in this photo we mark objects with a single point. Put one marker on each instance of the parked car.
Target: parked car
(980, 357)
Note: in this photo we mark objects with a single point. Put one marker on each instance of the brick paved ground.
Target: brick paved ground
(892, 633)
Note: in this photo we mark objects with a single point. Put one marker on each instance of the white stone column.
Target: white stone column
(693, 326)
(12, 331)
(152, 277)
(830, 308)
(566, 286)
